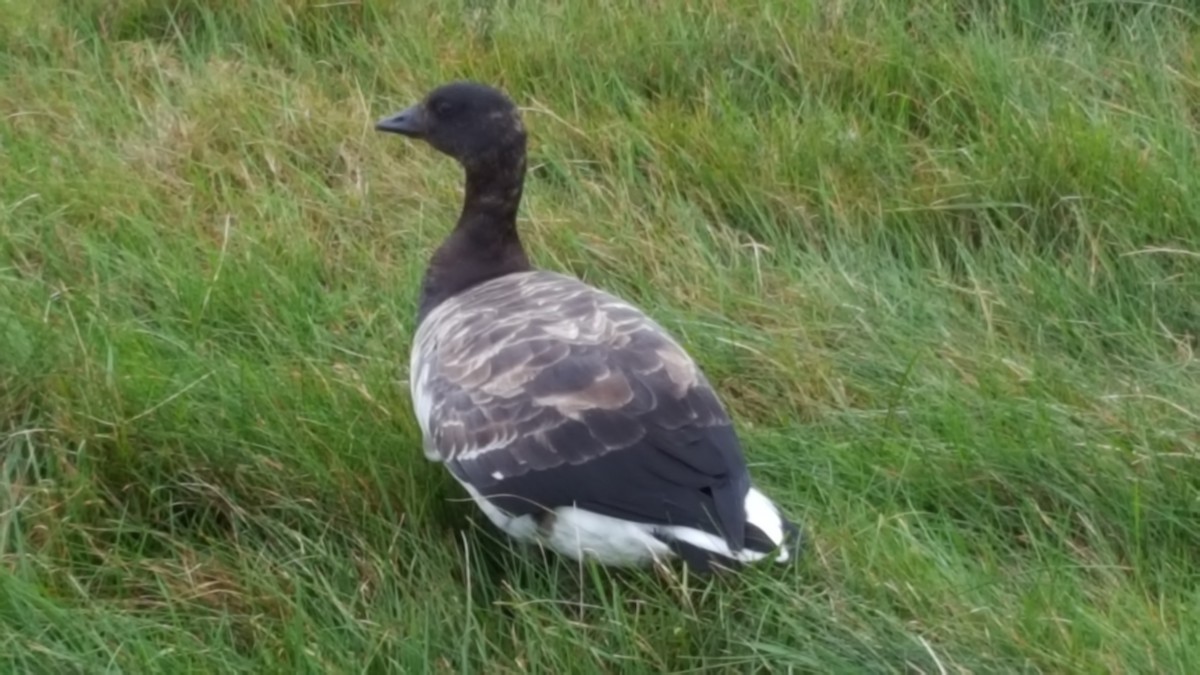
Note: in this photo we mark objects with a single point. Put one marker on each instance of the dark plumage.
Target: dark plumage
(573, 419)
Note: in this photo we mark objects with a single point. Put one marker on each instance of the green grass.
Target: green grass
(942, 259)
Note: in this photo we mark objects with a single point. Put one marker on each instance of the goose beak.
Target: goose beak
(408, 122)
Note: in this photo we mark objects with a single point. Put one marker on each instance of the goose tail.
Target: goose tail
(769, 533)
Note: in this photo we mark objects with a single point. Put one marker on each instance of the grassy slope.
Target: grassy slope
(942, 265)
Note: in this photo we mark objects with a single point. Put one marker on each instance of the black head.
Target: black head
(471, 122)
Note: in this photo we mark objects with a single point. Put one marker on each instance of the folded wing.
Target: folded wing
(541, 391)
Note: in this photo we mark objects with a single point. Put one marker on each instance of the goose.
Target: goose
(573, 420)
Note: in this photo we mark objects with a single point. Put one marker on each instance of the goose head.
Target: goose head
(475, 124)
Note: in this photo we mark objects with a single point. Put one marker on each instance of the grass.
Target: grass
(940, 258)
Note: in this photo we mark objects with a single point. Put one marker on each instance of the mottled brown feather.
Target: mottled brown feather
(505, 366)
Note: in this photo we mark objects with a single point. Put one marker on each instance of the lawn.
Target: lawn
(941, 259)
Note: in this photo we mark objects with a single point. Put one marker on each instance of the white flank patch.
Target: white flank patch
(607, 540)
(578, 533)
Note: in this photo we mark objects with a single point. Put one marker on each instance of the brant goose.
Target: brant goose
(572, 419)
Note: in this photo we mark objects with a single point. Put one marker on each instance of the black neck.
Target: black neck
(484, 244)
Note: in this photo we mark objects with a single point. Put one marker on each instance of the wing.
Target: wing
(541, 388)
